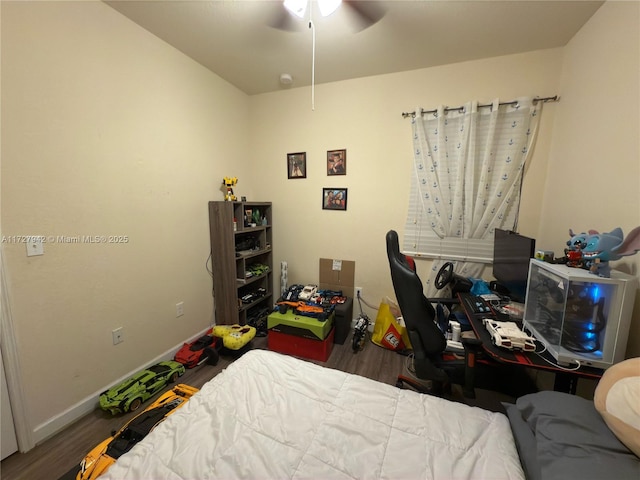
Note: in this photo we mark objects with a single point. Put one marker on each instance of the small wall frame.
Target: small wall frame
(297, 165)
(334, 198)
(337, 162)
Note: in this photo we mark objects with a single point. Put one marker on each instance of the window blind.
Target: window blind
(421, 241)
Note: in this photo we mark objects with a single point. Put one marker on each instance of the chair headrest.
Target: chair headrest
(393, 248)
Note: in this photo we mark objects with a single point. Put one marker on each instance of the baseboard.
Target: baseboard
(59, 422)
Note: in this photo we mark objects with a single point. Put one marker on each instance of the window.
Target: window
(467, 177)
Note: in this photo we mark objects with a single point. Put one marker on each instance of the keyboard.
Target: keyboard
(475, 304)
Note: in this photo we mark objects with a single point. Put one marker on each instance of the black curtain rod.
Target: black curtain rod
(555, 98)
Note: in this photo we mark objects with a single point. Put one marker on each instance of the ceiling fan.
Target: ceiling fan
(294, 11)
(363, 13)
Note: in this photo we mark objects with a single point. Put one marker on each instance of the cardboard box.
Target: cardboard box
(338, 275)
(301, 347)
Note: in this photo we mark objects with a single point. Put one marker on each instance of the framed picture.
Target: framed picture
(337, 162)
(297, 165)
(334, 198)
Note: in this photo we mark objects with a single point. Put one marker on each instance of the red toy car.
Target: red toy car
(199, 351)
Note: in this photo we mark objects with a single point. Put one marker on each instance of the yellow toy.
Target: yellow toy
(234, 337)
(229, 182)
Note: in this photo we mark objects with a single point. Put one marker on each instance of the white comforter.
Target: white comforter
(273, 416)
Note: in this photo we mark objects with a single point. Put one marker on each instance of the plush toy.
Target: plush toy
(229, 182)
(234, 337)
(596, 249)
(616, 399)
(578, 240)
(575, 244)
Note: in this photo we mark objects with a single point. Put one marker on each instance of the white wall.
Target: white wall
(364, 116)
(594, 169)
(106, 131)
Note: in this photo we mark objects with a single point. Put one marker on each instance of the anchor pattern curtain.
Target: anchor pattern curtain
(468, 168)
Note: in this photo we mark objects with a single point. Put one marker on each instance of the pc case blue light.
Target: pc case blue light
(579, 316)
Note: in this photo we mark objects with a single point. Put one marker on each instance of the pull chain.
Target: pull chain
(313, 57)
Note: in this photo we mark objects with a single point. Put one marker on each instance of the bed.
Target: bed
(269, 415)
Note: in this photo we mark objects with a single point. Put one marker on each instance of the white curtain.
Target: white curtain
(468, 173)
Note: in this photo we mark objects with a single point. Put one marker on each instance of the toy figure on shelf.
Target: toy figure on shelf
(578, 240)
(229, 182)
(596, 249)
(574, 258)
(573, 252)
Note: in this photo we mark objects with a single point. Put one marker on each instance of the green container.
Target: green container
(299, 325)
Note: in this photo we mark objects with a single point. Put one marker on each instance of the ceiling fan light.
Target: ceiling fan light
(327, 7)
(296, 7)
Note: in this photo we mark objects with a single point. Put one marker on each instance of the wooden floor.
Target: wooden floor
(63, 452)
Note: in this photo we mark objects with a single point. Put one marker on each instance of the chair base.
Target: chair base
(428, 387)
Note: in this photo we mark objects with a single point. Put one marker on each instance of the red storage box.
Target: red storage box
(301, 346)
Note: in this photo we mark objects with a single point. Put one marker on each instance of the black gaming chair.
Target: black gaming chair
(427, 340)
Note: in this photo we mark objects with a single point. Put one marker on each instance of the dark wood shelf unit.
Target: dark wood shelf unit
(234, 249)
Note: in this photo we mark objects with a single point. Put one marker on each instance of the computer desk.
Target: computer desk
(565, 380)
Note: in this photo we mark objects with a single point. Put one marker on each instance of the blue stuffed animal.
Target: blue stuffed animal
(598, 249)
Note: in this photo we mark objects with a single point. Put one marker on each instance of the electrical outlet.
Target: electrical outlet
(118, 335)
(358, 292)
(179, 309)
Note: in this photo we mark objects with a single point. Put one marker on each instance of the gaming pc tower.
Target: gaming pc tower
(579, 316)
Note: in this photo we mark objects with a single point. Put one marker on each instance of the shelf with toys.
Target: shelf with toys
(241, 258)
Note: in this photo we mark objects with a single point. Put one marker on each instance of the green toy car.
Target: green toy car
(129, 395)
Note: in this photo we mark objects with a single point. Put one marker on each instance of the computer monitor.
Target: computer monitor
(511, 255)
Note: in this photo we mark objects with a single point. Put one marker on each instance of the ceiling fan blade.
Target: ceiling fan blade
(366, 13)
(282, 19)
